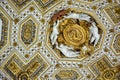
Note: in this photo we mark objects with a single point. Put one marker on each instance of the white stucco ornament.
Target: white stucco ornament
(67, 51)
(94, 35)
(54, 33)
(81, 16)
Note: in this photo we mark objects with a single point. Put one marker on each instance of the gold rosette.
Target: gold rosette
(74, 35)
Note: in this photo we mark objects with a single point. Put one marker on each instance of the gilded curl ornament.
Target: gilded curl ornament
(74, 34)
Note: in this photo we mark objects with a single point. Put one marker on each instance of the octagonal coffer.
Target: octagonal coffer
(28, 32)
(75, 34)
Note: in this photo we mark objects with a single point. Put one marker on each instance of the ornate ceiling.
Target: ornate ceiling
(59, 39)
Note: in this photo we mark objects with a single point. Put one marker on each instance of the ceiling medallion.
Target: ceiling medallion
(74, 34)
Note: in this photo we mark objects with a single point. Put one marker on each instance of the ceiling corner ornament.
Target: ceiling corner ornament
(16, 69)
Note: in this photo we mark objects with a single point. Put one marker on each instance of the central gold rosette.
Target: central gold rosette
(72, 33)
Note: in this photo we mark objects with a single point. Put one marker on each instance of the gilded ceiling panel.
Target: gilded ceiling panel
(59, 39)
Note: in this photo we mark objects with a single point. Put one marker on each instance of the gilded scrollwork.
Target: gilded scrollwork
(24, 76)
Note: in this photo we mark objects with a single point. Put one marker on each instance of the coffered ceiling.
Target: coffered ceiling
(59, 39)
